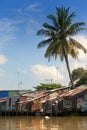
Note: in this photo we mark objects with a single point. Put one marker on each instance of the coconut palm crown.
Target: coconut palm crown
(59, 34)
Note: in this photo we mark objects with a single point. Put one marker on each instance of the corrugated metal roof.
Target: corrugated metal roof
(76, 91)
(57, 89)
(3, 100)
(40, 94)
(33, 94)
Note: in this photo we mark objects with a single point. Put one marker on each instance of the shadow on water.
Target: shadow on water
(41, 123)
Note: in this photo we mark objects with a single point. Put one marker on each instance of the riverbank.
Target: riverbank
(56, 102)
(63, 114)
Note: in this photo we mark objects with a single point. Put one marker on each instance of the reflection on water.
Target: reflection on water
(40, 123)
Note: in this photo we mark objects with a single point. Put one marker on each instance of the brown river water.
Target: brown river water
(41, 123)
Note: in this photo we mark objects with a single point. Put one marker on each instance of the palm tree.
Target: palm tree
(59, 34)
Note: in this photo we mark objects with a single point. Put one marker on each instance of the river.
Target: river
(41, 123)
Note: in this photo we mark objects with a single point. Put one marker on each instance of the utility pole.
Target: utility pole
(18, 84)
(51, 80)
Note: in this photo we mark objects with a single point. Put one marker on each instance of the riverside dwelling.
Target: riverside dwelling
(47, 102)
(52, 105)
(76, 99)
(29, 102)
(41, 102)
(9, 99)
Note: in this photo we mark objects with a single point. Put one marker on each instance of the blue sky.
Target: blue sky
(22, 65)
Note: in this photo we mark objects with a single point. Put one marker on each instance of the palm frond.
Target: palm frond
(50, 49)
(54, 49)
(43, 32)
(74, 53)
(49, 27)
(44, 43)
(63, 17)
(71, 16)
(54, 20)
(77, 45)
(75, 28)
(68, 20)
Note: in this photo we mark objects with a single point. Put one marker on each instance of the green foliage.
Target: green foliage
(78, 73)
(83, 80)
(59, 32)
(43, 86)
(59, 41)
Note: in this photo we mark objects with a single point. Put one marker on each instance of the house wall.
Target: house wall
(14, 99)
(77, 102)
(74, 103)
(82, 102)
(3, 94)
(7, 104)
(24, 91)
(67, 103)
(3, 106)
(13, 92)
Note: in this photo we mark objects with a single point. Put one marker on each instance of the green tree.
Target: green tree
(78, 73)
(83, 80)
(58, 33)
(43, 86)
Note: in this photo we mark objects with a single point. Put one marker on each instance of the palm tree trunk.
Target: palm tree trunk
(68, 68)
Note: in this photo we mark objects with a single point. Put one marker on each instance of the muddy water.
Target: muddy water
(41, 123)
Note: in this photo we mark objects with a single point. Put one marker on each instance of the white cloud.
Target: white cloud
(8, 27)
(83, 41)
(82, 62)
(33, 7)
(3, 59)
(44, 72)
(7, 30)
(82, 55)
(78, 64)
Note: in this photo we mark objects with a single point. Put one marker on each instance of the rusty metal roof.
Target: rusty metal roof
(57, 89)
(40, 94)
(3, 100)
(76, 91)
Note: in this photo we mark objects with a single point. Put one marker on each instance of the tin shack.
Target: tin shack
(36, 102)
(76, 99)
